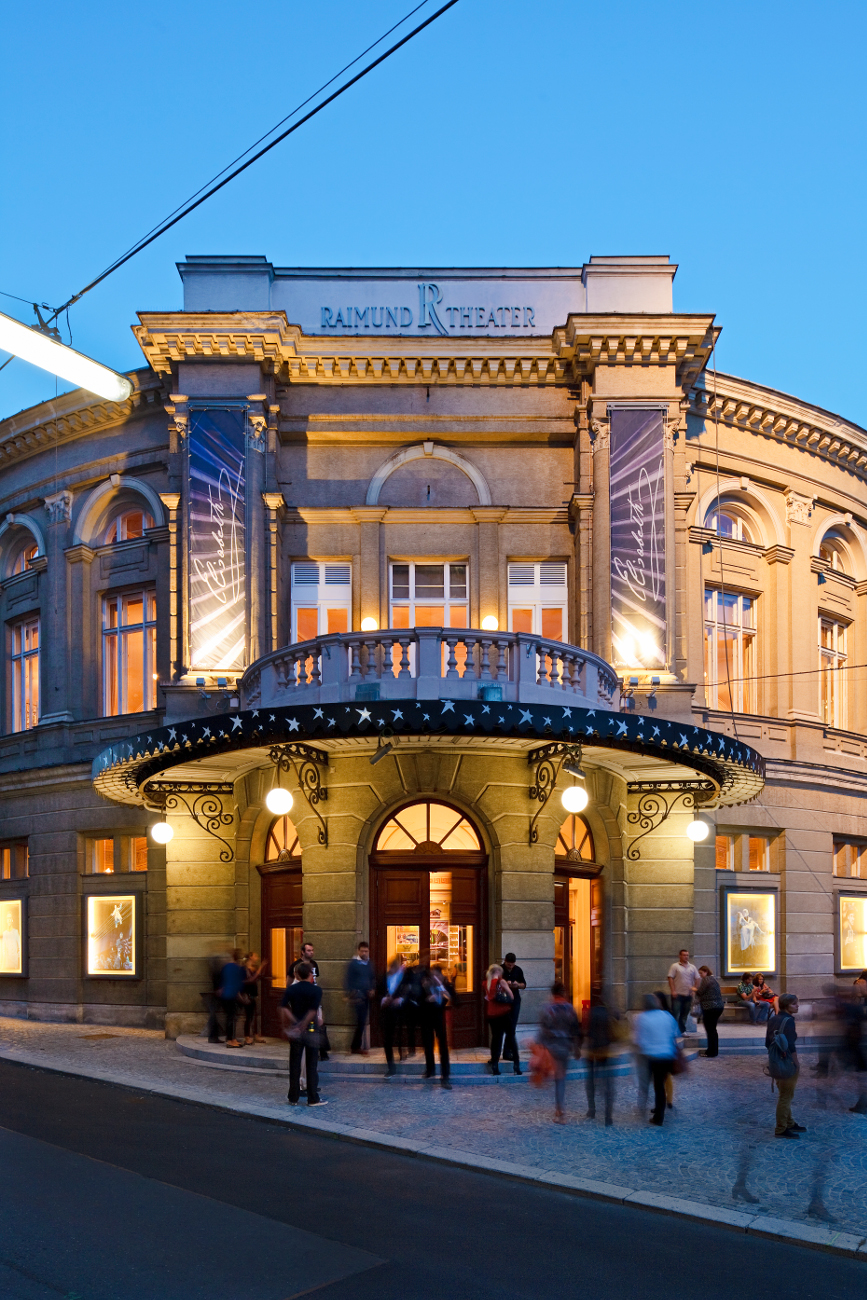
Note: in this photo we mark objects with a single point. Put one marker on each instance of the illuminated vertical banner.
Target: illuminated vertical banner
(637, 479)
(218, 580)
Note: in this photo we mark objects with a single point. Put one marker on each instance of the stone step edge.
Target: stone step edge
(788, 1231)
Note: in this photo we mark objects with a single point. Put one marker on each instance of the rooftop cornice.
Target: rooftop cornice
(741, 405)
(72, 415)
(682, 341)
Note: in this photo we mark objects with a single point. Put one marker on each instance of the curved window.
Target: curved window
(282, 844)
(129, 525)
(24, 557)
(427, 828)
(575, 842)
(833, 551)
(728, 523)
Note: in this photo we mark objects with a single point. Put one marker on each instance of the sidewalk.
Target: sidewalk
(718, 1138)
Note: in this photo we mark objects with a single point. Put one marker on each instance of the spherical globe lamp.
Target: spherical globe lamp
(698, 830)
(278, 801)
(490, 623)
(369, 625)
(161, 832)
(575, 798)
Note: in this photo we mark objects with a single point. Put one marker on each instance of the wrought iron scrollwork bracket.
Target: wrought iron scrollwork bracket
(203, 802)
(306, 762)
(548, 760)
(658, 800)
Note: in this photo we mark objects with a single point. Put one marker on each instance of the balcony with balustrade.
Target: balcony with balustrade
(429, 663)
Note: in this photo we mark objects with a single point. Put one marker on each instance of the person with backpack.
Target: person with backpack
(783, 1065)
(498, 1011)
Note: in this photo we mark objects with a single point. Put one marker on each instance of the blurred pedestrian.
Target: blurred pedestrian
(232, 978)
(514, 977)
(682, 983)
(391, 1010)
(360, 985)
(560, 1033)
(498, 1009)
(783, 1066)
(437, 996)
(299, 1007)
(255, 969)
(216, 962)
(860, 985)
(656, 1035)
(597, 1057)
(712, 1005)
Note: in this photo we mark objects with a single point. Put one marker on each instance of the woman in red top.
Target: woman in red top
(498, 1005)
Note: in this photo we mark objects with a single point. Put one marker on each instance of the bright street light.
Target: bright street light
(278, 801)
(161, 832)
(698, 830)
(45, 352)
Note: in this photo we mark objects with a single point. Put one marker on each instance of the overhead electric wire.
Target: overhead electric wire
(195, 201)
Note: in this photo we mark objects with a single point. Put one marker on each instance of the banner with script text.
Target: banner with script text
(218, 581)
(637, 478)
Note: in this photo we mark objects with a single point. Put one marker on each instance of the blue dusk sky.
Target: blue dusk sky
(730, 136)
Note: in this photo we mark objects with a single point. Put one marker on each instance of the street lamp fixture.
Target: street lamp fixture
(45, 352)
(279, 801)
(161, 832)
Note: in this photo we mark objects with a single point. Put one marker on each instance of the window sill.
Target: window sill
(743, 878)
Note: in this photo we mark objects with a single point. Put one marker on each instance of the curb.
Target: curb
(787, 1231)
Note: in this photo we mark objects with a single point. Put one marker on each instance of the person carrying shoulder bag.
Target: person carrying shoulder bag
(783, 1065)
(498, 1010)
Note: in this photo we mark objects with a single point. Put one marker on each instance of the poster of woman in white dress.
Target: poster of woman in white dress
(111, 935)
(853, 932)
(11, 938)
(751, 929)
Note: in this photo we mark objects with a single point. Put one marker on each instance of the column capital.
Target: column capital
(59, 507)
(273, 500)
(80, 554)
(171, 500)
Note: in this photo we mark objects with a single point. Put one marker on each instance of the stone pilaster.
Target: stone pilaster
(54, 629)
(257, 555)
(171, 501)
(84, 681)
(273, 501)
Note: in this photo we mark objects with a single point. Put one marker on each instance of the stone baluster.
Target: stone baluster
(355, 674)
(404, 656)
(485, 643)
(542, 672)
(371, 666)
(451, 659)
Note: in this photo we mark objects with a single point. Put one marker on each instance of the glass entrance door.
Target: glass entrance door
(281, 940)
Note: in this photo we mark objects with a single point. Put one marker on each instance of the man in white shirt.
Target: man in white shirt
(682, 981)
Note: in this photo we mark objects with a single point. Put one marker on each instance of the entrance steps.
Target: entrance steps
(468, 1065)
(749, 1040)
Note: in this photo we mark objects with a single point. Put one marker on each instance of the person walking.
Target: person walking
(560, 1033)
(307, 956)
(232, 978)
(360, 985)
(514, 977)
(783, 1066)
(255, 969)
(391, 1010)
(216, 961)
(437, 996)
(498, 1009)
(299, 1007)
(712, 1005)
(682, 982)
(656, 1034)
(597, 1057)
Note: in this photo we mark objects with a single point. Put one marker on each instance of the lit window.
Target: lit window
(24, 557)
(128, 526)
(114, 853)
(832, 679)
(575, 842)
(427, 828)
(14, 863)
(728, 523)
(850, 859)
(538, 599)
(429, 595)
(25, 675)
(129, 638)
(730, 650)
(725, 853)
(281, 844)
(321, 599)
(760, 853)
(100, 855)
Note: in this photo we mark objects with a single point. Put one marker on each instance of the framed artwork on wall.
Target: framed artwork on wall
(851, 933)
(13, 936)
(749, 931)
(111, 944)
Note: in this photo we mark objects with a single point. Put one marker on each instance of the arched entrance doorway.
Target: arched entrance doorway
(281, 916)
(429, 902)
(577, 912)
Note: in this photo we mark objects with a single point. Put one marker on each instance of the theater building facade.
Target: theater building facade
(443, 554)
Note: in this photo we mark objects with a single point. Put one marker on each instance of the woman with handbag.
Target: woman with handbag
(498, 1007)
(657, 1042)
(712, 1005)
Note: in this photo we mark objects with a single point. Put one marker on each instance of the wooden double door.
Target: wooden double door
(433, 912)
(578, 932)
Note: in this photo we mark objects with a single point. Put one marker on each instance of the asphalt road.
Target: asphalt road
(111, 1194)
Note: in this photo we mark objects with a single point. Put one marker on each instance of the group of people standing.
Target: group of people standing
(234, 995)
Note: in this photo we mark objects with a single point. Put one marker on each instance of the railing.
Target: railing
(430, 663)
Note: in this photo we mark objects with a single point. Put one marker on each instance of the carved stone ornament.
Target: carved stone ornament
(601, 430)
(256, 426)
(798, 508)
(59, 507)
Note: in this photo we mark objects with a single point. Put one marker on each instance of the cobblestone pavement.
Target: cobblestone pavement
(719, 1136)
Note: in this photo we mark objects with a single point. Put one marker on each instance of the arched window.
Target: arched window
(24, 557)
(833, 550)
(127, 526)
(727, 522)
(427, 827)
(575, 841)
(282, 844)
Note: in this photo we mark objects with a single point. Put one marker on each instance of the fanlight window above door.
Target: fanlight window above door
(575, 842)
(282, 844)
(427, 828)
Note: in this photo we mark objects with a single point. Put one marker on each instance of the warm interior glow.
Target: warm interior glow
(278, 801)
(369, 625)
(490, 623)
(161, 832)
(575, 798)
(58, 359)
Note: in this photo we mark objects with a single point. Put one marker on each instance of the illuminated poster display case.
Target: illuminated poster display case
(749, 931)
(13, 936)
(851, 933)
(112, 948)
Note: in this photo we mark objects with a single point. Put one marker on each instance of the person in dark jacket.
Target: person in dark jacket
(391, 1003)
(232, 978)
(308, 958)
(560, 1033)
(514, 977)
(597, 1055)
(360, 986)
(782, 1023)
(712, 1005)
(437, 996)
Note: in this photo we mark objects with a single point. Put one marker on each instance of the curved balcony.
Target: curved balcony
(430, 663)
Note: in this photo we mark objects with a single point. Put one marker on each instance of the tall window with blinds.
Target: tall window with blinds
(25, 674)
(538, 599)
(832, 678)
(429, 595)
(321, 598)
(730, 650)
